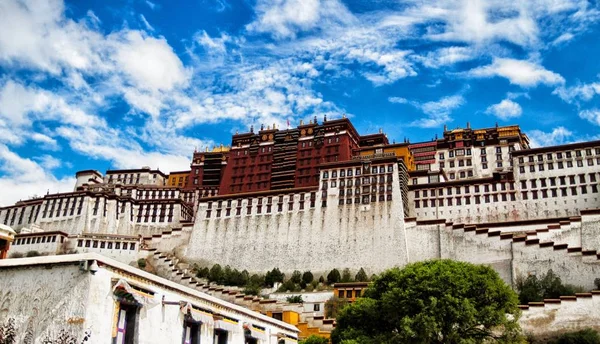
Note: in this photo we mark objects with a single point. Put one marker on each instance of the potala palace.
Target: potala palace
(322, 196)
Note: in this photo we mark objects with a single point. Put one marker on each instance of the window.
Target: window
(126, 324)
(191, 332)
(441, 156)
(220, 336)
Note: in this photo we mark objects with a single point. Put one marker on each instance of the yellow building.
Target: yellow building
(178, 179)
(350, 291)
(399, 150)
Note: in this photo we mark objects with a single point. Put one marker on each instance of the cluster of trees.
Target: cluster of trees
(587, 336)
(314, 340)
(437, 301)
(296, 282)
(548, 286)
(252, 284)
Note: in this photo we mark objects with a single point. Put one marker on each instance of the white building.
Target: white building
(93, 299)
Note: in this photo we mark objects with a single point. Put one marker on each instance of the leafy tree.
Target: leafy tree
(346, 276)
(215, 274)
(549, 286)
(307, 277)
(597, 283)
(296, 277)
(252, 290)
(361, 276)
(321, 279)
(288, 286)
(334, 305)
(587, 336)
(437, 301)
(295, 299)
(258, 280)
(314, 340)
(203, 272)
(333, 276)
(273, 277)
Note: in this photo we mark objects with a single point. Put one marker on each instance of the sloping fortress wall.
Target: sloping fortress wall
(354, 220)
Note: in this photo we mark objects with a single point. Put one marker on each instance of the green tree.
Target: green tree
(307, 277)
(273, 277)
(321, 279)
(295, 299)
(437, 301)
(215, 274)
(549, 286)
(361, 276)
(314, 340)
(296, 277)
(203, 272)
(334, 305)
(333, 276)
(587, 336)
(346, 276)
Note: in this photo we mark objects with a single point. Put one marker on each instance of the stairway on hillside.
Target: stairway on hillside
(170, 267)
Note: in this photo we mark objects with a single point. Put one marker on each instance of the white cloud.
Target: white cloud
(506, 109)
(36, 34)
(24, 178)
(48, 162)
(580, 92)
(447, 56)
(438, 112)
(47, 142)
(285, 18)
(398, 100)
(149, 63)
(21, 106)
(591, 115)
(519, 72)
(558, 136)
(146, 23)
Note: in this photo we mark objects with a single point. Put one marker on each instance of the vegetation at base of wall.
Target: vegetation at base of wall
(295, 299)
(141, 263)
(587, 336)
(548, 286)
(334, 276)
(17, 255)
(33, 254)
(597, 283)
(361, 276)
(436, 301)
(314, 340)
(334, 305)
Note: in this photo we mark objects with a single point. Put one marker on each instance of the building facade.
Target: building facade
(93, 299)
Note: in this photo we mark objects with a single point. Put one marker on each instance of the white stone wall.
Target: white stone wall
(49, 244)
(317, 239)
(65, 298)
(569, 315)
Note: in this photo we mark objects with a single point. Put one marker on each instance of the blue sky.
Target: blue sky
(123, 84)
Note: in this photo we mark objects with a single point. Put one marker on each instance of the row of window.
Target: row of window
(154, 212)
(10, 217)
(559, 164)
(466, 200)
(156, 194)
(117, 245)
(357, 171)
(365, 199)
(560, 155)
(358, 181)
(37, 240)
(564, 192)
(561, 179)
(461, 163)
(259, 209)
(53, 208)
(457, 190)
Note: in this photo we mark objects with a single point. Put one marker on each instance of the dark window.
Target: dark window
(126, 324)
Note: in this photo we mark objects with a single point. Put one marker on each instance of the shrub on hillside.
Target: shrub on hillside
(548, 286)
(295, 299)
(334, 276)
(587, 336)
(314, 340)
(33, 254)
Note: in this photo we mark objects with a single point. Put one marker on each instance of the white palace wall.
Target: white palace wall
(315, 238)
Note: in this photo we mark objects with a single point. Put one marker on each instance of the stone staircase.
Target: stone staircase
(529, 252)
(170, 267)
(169, 240)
